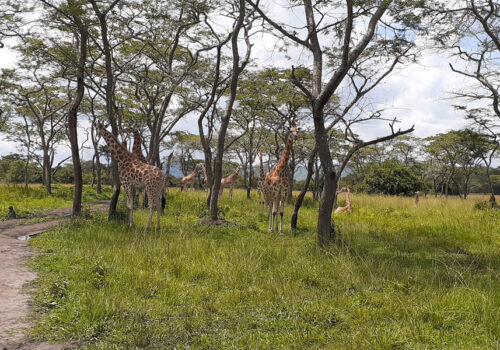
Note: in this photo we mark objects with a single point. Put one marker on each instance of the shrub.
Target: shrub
(392, 179)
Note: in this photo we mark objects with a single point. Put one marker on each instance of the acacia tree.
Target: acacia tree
(484, 144)
(159, 63)
(364, 59)
(41, 107)
(237, 67)
(68, 17)
(459, 151)
(472, 32)
(101, 12)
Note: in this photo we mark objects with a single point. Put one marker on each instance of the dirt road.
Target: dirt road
(14, 276)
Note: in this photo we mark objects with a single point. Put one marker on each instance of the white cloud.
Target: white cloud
(414, 94)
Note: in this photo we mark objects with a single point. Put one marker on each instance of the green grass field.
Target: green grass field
(406, 277)
(32, 201)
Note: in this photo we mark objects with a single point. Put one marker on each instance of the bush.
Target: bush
(392, 179)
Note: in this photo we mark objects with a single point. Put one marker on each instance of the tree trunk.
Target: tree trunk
(236, 70)
(300, 198)
(326, 227)
(26, 172)
(290, 176)
(47, 173)
(250, 181)
(110, 101)
(72, 122)
(490, 185)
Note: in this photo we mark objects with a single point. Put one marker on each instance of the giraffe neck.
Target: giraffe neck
(204, 171)
(137, 149)
(262, 175)
(283, 162)
(119, 152)
(193, 174)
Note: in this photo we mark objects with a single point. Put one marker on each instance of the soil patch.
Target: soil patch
(15, 276)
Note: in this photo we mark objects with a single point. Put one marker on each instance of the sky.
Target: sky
(415, 94)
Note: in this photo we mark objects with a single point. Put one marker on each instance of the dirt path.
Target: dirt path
(14, 275)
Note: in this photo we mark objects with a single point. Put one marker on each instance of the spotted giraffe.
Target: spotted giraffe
(135, 174)
(228, 181)
(137, 150)
(190, 179)
(262, 178)
(276, 184)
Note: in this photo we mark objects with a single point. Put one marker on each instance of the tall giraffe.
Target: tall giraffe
(189, 179)
(262, 178)
(348, 200)
(276, 184)
(229, 181)
(135, 174)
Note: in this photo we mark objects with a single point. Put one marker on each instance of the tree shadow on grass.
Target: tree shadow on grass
(445, 261)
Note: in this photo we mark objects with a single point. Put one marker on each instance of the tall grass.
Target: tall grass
(33, 200)
(406, 277)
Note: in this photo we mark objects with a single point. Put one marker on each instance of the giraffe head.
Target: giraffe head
(236, 172)
(131, 128)
(343, 189)
(100, 127)
(293, 129)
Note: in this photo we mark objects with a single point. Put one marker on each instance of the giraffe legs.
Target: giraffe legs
(281, 210)
(158, 215)
(155, 206)
(273, 220)
(275, 214)
(231, 192)
(130, 192)
(271, 217)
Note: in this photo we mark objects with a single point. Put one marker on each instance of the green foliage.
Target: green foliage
(407, 277)
(33, 200)
(391, 178)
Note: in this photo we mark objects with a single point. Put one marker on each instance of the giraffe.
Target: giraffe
(137, 150)
(275, 187)
(136, 174)
(189, 179)
(348, 200)
(229, 181)
(262, 178)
